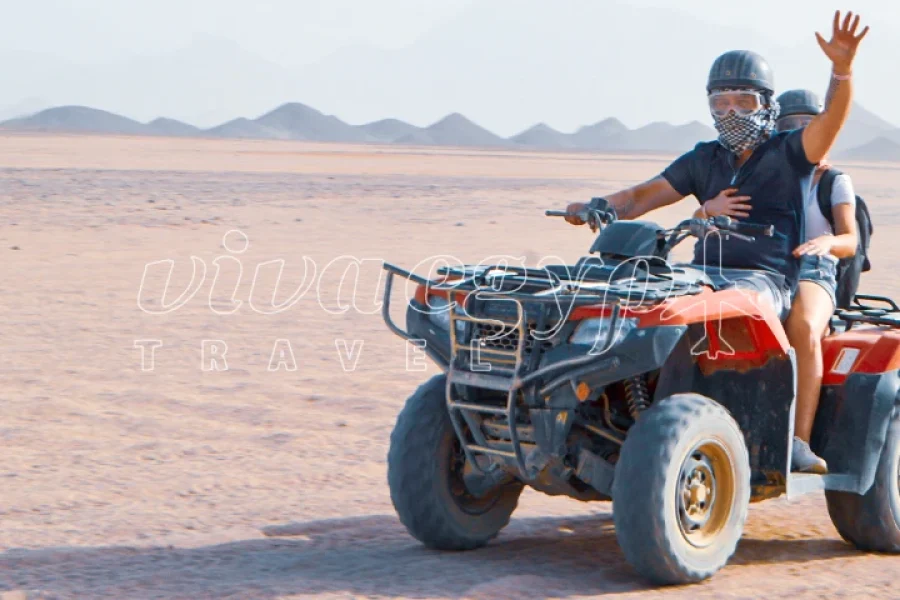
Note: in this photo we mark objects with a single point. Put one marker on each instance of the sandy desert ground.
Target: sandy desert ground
(178, 482)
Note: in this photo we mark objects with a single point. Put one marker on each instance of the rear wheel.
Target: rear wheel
(425, 476)
(871, 522)
(681, 490)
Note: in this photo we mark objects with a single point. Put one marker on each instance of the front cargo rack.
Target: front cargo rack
(586, 283)
(536, 294)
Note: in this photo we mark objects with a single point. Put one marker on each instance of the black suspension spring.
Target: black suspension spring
(637, 395)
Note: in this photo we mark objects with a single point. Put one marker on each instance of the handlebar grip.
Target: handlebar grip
(557, 213)
(754, 229)
(740, 236)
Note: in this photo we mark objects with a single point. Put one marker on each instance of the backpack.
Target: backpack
(850, 268)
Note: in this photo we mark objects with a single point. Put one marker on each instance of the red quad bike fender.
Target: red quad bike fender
(735, 351)
(859, 392)
(742, 332)
(871, 350)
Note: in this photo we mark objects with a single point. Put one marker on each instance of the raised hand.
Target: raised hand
(728, 204)
(841, 49)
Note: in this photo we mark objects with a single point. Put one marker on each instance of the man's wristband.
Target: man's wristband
(842, 77)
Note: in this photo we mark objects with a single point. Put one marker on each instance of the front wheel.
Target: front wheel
(681, 490)
(425, 476)
(871, 522)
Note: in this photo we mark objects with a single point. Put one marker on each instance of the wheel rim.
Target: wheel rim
(705, 493)
(464, 499)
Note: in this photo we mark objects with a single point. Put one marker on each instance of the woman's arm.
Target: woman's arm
(845, 239)
(840, 245)
(843, 208)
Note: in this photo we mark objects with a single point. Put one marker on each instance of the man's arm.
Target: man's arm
(819, 136)
(635, 201)
(644, 197)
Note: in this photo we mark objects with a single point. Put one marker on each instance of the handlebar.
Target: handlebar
(729, 224)
(597, 217)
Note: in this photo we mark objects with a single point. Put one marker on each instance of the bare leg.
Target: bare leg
(810, 314)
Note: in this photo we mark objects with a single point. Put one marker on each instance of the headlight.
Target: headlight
(595, 332)
(439, 311)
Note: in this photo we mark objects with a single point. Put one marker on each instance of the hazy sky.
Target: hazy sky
(64, 51)
(290, 32)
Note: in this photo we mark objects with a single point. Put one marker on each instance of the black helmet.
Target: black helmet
(741, 69)
(798, 102)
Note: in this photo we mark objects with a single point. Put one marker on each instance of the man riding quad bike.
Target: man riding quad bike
(669, 389)
(660, 387)
(768, 172)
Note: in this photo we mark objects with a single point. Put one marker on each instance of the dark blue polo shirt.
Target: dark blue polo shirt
(772, 178)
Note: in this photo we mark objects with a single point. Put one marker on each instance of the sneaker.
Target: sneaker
(804, 460)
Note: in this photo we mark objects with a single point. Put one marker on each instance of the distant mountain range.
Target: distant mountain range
(295, 121)
(881, 149)
(865, 137)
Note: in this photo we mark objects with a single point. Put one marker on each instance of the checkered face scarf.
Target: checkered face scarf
(740, 133)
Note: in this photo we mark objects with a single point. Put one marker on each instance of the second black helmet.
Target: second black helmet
(798, 102)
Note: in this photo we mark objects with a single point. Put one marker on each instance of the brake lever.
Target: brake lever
(724, 225)
(591, 217)
(699, 228)
(737, 236)
(594, 217)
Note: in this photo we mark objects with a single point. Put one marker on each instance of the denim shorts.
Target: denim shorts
(770, 287)
(821, 270)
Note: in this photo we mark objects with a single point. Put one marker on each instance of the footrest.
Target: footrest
(799, 484)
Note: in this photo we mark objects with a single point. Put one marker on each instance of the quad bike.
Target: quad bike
(660, 387)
